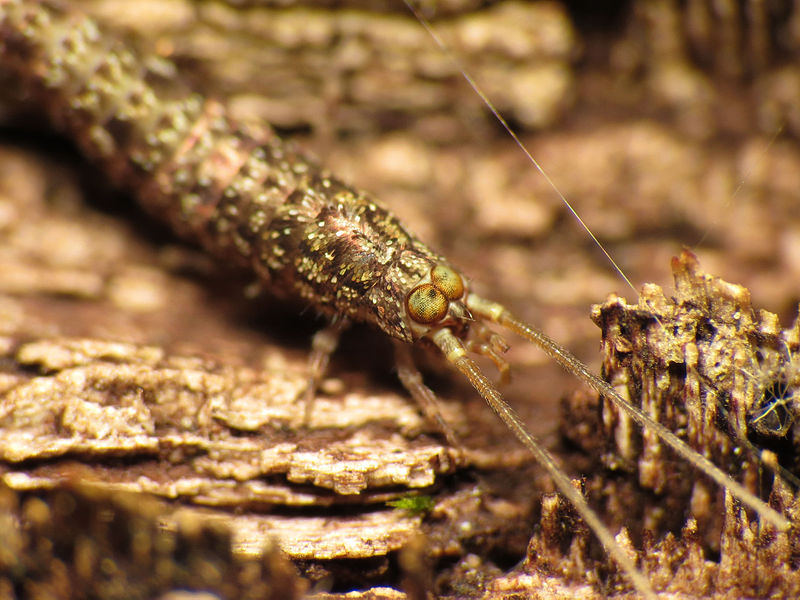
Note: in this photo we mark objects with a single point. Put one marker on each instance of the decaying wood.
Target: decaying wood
(704, 361)
(133, 364)
(67, 544)
(223, 437)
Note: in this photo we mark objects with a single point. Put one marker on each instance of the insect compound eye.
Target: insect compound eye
(448, 282)
(426, 304)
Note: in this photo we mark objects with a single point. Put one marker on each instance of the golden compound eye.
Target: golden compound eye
(448, 282)
(426, 304)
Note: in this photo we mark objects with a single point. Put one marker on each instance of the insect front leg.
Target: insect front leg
(411, 378)
(323, 345)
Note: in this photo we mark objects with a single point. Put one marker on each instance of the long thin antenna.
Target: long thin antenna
(455, 355)
(567, 360)
(490, 105)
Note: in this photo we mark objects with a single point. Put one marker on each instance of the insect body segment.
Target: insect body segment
(234, 187)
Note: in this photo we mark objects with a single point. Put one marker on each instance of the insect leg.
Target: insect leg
(498, 314)
(411, 379)
(491, 345)
(323, 345)
(456, 354)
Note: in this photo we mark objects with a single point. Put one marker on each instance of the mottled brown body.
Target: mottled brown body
(235, 188)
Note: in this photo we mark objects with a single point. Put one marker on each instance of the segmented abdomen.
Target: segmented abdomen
(236, 188)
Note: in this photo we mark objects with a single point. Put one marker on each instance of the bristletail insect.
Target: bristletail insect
(247, 197)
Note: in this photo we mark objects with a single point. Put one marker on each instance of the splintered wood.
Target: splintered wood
(705, 362)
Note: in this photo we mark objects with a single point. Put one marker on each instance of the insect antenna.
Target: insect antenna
(501, 119)
(575, 367)
(455, 353)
